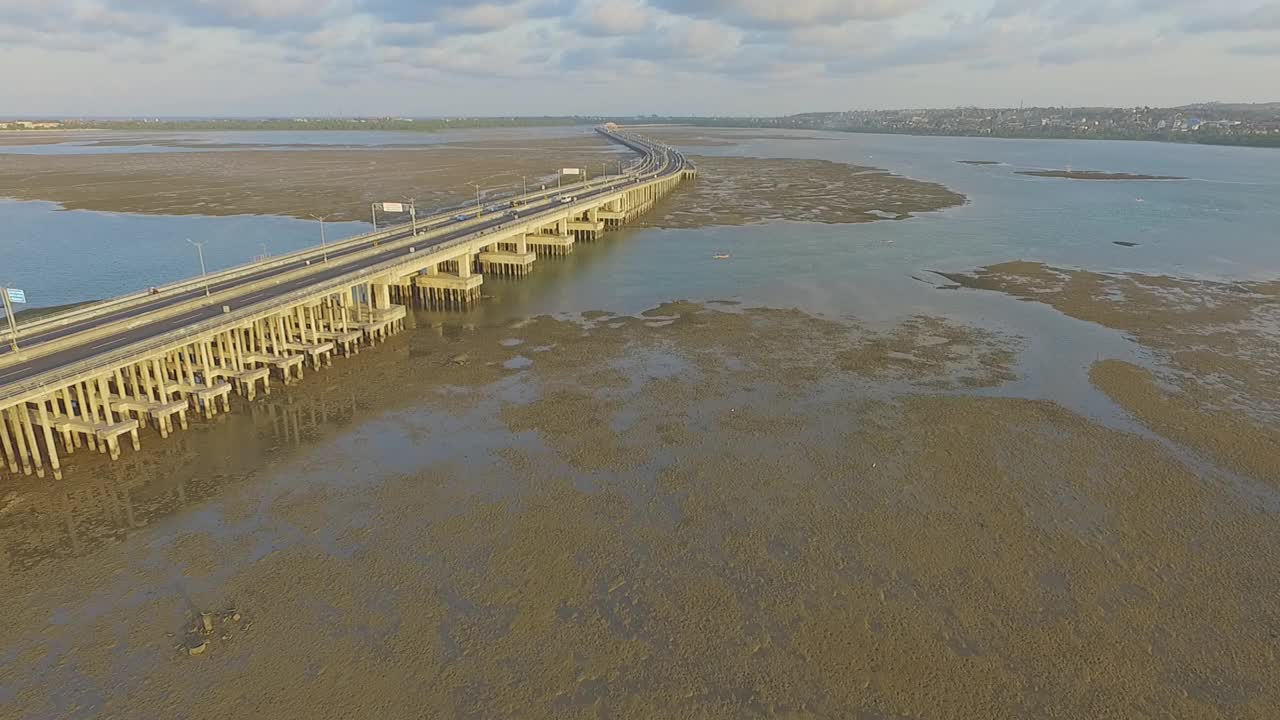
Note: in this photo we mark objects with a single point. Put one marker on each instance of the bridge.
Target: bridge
(94, 376)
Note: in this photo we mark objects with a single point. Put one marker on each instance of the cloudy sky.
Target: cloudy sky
(454, 57)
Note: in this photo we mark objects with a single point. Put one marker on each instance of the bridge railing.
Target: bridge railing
(122, 302)
(106, 362)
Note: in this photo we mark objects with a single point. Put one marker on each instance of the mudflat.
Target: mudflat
(691, 136)
(744, 190)
(1095, 175)
(705, 510)
(702, 510)
(1216, 387)
(299, 182)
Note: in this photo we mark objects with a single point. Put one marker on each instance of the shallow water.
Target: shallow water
(66, 256)
(368, 465)
(111, 143)
(1220, 224)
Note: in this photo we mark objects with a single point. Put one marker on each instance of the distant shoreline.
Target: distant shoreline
(1201, 137)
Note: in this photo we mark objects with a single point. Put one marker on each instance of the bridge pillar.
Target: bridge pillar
(380, 293)
(47, 427)
(10, 456)
(19, 440)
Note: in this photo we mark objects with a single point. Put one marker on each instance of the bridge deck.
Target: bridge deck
(154, 356)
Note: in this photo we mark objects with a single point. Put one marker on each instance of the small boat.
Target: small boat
(721, 256)
(1139, 200)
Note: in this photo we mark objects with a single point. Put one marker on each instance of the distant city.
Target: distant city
(1208, 123)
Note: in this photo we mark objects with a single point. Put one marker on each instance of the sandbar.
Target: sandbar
(1095, 175)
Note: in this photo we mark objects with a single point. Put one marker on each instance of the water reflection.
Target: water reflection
(108, 501)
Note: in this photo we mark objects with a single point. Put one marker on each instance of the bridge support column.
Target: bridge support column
(10, 454)
(30, 429)
(381, 294)
(47, 428)
(19, 440)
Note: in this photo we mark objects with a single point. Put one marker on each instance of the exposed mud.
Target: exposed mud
(740, 191)
(689, 136)
(693, 513)
(1095, 175)
(339, 182)
(1218, 388)
(20, 138)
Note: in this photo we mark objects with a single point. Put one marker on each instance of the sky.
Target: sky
(622, 57)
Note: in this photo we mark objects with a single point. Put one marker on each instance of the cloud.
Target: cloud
(1262, 17)
(603, 17)
(1070, 54)
(1271, 48)
(708, 53)
(789, 13)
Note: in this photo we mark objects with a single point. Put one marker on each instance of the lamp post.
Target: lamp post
(413, 214)
(8, 314)
(479, 208)
(324, 247)
(203, 275)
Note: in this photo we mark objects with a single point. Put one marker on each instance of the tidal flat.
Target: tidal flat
(339, 182)
(1095, 175)
(704, 510)
(717, 508)
(745, 190)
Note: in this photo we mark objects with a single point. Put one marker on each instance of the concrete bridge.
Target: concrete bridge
(99, 376)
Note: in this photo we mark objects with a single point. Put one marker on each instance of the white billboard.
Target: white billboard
(571, 171)
(393, 207)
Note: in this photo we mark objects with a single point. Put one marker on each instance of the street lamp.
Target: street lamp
(324, 248)
(479, 208)
(413, 214)
(203, 275)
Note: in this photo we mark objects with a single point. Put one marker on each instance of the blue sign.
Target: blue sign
(17, 296)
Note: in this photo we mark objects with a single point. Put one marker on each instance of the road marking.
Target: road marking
(13, 372)
(100, 345)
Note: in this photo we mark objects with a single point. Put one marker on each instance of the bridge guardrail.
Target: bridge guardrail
(123, 302)
(119, 356)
